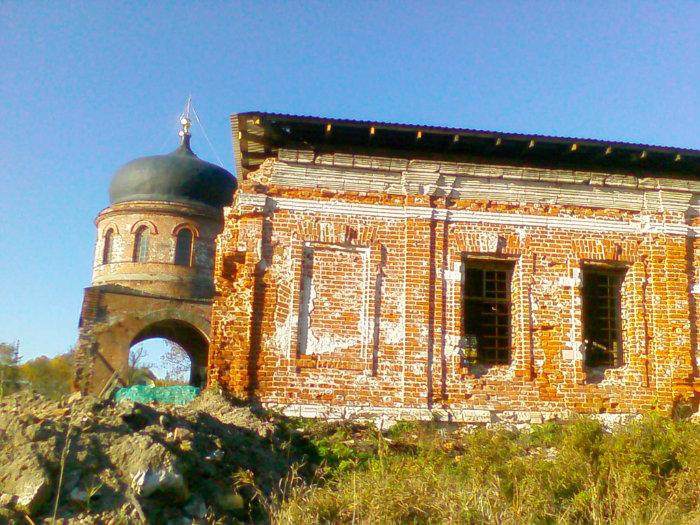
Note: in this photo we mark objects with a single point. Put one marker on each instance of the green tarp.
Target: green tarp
(173, 395)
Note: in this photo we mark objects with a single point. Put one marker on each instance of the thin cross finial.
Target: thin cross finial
(185, 118)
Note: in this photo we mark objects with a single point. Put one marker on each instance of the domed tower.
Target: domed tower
(154, 261)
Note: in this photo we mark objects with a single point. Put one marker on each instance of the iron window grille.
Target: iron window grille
(601, 291)
(487, 311)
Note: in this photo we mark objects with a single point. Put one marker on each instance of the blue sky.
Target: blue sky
(85, 87)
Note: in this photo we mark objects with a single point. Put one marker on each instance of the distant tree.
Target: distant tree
(177, 363)
(49, 376)
(9, 374)
(139, 371)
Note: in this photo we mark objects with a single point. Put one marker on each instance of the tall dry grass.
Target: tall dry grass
(647, 472)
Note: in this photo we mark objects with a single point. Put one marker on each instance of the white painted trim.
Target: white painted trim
(382, 211)
(336, 246)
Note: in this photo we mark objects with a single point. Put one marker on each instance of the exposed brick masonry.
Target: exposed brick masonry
(333, 302)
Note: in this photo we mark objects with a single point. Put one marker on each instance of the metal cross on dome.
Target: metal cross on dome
(186, 124)
(185, 118)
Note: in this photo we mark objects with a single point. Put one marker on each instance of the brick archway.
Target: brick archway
(114, 319)
(185, 334)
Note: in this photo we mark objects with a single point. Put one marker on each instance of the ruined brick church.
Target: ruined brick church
(384, 270)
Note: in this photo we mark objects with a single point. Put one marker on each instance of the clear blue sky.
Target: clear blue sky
(85, 87)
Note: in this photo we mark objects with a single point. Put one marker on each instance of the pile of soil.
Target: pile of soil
(212, 461)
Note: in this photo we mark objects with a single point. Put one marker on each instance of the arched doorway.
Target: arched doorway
(183, 334)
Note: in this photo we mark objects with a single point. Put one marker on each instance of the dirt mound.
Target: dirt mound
(133, 463)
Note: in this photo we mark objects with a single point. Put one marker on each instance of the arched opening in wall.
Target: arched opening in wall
(107, 247)
(141, 244)
(183, 247)
(168, 352)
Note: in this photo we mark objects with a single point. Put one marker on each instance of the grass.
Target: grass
(646, 472)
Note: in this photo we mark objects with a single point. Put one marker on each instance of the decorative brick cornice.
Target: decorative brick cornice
(467, 216)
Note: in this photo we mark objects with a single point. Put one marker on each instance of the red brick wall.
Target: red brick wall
(331, 312)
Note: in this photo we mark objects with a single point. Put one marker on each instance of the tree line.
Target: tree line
(53, 376)
(49, 376)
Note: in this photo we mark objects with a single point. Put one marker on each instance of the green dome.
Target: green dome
(179, 176)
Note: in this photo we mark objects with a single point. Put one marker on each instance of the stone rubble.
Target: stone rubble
(125, 462)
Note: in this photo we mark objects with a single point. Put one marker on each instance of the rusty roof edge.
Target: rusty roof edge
(477, 133)
(237, 153)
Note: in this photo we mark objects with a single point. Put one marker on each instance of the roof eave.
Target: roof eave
(258, 135)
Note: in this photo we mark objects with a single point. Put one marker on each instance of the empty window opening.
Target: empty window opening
(486, 310)
(602, 312)
(305, 297)
(141, 244)
(183, 247)
(107, 247)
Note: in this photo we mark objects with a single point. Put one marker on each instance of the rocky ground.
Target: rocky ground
(217, 461)
(97, 461)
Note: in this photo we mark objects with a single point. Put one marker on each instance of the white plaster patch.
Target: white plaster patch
(453, 345)
(281, 338)
(568, 282)
(328, 343)
(423, 332)
(283, 267)
(393, 332)
(452, 275)
(548, 286)
(488, 242)
(387, 416)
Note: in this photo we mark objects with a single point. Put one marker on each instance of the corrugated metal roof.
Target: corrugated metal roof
(470, 131)
(269, 131)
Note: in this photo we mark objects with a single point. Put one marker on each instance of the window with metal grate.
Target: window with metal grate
(486, 310)
(601, 291)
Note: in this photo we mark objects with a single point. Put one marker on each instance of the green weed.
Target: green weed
(646, 472)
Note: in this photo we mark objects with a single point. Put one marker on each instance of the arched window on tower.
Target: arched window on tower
(141, 244)
(107, 246)
(183, 247)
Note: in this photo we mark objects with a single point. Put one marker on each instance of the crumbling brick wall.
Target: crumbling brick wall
(132, 300)
(159, 275)
(114, 319)
(339, 288)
